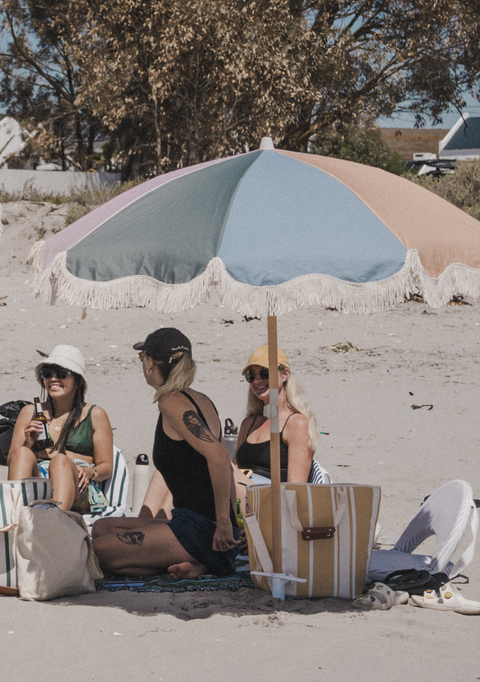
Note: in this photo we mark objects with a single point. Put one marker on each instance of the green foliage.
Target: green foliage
(180, 82)
(461, 188)
(362, 145)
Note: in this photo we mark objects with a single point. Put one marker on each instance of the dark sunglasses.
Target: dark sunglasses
(59, 372)
(141, 355)
(250, 375)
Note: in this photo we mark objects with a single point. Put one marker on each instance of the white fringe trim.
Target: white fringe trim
(309, 290)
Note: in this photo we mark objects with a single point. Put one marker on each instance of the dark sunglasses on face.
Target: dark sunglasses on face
(250, 375)
(59, 372)
(141, 355)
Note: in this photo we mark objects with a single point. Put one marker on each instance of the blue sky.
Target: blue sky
(449, 119)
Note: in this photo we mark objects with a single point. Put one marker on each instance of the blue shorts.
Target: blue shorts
(195, 533)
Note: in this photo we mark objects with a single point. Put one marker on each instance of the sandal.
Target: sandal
(415, 581)
(380, 596)
(447, 598)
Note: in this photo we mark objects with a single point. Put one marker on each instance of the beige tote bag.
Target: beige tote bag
(55, 557)
(13, 495)
(327, 537)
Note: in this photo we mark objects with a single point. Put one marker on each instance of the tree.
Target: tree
(188, 80)
(369, 58)
(179, 82)
(40, 77)
(363, 145)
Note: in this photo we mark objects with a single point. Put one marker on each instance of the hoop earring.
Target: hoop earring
(149, 371)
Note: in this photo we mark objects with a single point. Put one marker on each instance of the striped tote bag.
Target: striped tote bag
(327, 537)
(13, 495)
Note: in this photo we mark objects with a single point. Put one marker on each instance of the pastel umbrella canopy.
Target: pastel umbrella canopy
(271, 230)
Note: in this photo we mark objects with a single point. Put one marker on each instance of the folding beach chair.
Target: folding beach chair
(318, 474)
(445, 514)
(115, 490)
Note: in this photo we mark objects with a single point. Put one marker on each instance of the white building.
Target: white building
(462, 141)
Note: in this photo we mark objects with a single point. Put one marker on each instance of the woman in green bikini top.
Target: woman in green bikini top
(82, 454)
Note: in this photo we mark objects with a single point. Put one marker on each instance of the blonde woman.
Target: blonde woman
(192, 460)
(298, 426)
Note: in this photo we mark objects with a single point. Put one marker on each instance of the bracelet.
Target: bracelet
(95, 473)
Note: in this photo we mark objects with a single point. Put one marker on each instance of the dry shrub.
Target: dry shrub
(461, 188)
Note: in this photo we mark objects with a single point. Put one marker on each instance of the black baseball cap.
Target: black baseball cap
(163, 343)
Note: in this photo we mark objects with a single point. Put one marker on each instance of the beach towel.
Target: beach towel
(163, 582)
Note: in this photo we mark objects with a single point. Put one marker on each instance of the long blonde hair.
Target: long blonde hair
(295, 400)
(178, 378)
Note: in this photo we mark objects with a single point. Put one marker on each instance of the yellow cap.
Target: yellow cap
(260, 357)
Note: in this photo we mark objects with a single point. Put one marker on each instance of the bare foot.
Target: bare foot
(186, 569)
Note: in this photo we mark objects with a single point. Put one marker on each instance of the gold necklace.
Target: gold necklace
(59, 426)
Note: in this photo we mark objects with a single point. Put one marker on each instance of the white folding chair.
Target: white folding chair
(318, 474)
(115, 490)
(445, 514)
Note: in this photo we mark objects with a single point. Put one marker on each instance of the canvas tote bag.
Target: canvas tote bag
(13, 495)
(55, 556)
(327, 536)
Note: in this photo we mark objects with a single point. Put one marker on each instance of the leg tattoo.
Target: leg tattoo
(131, 537)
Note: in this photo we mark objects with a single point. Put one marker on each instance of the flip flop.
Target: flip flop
(380, 596)
(447, 598)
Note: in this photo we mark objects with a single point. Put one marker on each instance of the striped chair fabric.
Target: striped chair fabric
(115, 490)
(318, 474)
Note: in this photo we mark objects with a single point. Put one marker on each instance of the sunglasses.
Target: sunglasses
(59, 372)
(141, 355)
(250, 375)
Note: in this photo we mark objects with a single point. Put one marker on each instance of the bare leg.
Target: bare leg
(141, 547)
(22, 463)
(158, 502)
(64, 475)
(186, 570)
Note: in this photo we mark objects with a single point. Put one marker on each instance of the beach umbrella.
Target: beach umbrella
(271, 230)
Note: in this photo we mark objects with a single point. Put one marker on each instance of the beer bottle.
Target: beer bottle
(44, 439)
(240, 521)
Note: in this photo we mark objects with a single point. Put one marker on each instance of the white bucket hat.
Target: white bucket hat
(67, 357)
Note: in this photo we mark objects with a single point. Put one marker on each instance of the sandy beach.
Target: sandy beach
(361, 374)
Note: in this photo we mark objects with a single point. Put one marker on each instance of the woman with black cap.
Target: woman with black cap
(191, 458)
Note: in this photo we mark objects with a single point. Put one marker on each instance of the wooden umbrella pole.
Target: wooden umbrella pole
(272, 413)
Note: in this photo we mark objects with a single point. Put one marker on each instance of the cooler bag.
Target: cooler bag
(327, 537)
(13, 495)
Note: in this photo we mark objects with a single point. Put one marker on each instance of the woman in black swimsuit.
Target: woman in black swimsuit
(192, 460)
(298, 427)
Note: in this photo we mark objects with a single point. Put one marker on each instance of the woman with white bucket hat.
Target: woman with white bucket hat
(82, 454)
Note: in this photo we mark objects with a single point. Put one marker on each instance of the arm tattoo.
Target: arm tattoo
(196, 426)
(131, 537)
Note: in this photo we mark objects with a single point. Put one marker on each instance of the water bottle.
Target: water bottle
(230, 436)
(141, 481)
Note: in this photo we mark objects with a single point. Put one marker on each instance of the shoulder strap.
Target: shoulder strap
(251, 427)
(200, 411)
(287, 420)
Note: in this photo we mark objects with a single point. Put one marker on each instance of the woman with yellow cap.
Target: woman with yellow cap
(298, 426)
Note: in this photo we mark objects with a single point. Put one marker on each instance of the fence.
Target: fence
(53, 182)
